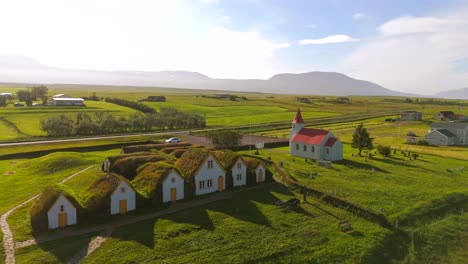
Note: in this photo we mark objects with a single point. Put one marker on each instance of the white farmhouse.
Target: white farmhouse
(173, 186)
(311, 143)
(67, 101)
(62, 213)
(260, 173)
(203, 171)
(447, 134)
(123, 198)
(239, 172)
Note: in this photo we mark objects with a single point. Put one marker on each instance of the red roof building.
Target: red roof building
(312, 143)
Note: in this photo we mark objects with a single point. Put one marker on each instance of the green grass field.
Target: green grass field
(428, 196)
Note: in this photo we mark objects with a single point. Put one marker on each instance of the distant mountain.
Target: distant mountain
(454, 94)
(17, 69)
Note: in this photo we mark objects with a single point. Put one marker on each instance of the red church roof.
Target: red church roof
(298, 118)
(331, 142)
(310, 136)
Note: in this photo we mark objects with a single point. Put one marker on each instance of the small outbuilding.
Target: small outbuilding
(235, 166)
(111, 194)
(411, 116)
(56, 207)
(160, 182)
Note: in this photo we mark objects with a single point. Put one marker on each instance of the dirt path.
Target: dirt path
(92, 246)
(8, 240)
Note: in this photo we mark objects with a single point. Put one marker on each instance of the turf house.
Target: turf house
(148, 177)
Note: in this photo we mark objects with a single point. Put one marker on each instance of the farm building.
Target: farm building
(153, 98)
(235, 166)
(56, 207)
(447, 134)
(257, 171)
(311, 143)
(160, 182)
(411, 116)
(67, 102)
(203, 171)
(447, 116)
(344, 99)
(111, 194)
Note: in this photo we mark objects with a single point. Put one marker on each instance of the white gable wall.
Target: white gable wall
(337, 151)
(54, 211)
(205, 174)
(123, 192)
(173, 180)
(242, 171)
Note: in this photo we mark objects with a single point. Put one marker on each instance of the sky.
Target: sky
(417, 46)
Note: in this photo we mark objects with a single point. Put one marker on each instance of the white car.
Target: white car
(173, 140)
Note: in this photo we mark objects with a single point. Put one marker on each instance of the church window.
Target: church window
(305, 148)
(297, 146)
(312, 148)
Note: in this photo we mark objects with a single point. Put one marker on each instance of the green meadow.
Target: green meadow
(427, 196)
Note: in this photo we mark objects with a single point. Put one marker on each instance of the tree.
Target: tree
(39, 92)
(225, 139)
(3, 101)
(362, 139)
(24, 96)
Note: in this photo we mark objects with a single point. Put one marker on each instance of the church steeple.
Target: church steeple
(297, 124)
(298, 118)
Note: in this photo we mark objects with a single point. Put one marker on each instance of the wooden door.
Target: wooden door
(62, 219)
(260, 176)
(173, 194)
(220, 183)
(123, 206)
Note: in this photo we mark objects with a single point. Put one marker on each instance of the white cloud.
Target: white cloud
(360, 16)
(128, 35)
(410, 25)
(328, 40)
(227, 18)
(311, 25)
(414, 54)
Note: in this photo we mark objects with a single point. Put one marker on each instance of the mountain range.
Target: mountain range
(18, 69)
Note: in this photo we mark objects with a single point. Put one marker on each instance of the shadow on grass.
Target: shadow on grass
(63, 249)
(141, 232)
(323, 210)
(358, 165)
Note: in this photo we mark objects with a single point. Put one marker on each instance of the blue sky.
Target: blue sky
(414, 46)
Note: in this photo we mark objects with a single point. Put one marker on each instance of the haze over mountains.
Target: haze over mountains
(18, 69)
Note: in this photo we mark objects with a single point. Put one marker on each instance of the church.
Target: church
(311, 143)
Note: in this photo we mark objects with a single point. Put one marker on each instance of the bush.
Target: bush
(225, 139)
(384, 150)
(422, 142)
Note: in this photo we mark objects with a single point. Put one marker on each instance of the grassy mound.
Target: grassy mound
(178, 153)
(45, 201)
(150, 178)
(54, 162)
(128, 166)
(152, 147)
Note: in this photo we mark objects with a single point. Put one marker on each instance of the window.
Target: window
(172, 179)
(202, 185)
(209, 183)
(61, 208)
(239, 165)
(328, 150)
(210, 164)
(305, 148)
(297, 146)
(239, 177)
(312, 148)
(122, 190)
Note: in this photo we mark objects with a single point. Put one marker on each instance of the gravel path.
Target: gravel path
(8, 240)
(92, 246)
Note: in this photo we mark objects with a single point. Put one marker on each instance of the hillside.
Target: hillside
(454, 94)
(15, 69)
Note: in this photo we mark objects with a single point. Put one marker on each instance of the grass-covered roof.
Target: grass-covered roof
(152, 147)
(191, 160)
(178, 153)
(97, 196)
(151, 176)
(46, 200)
(252, 163)
(128, 166)
(227, 158)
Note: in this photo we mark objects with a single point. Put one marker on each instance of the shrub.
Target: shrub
(422, 142)
(384, 150)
